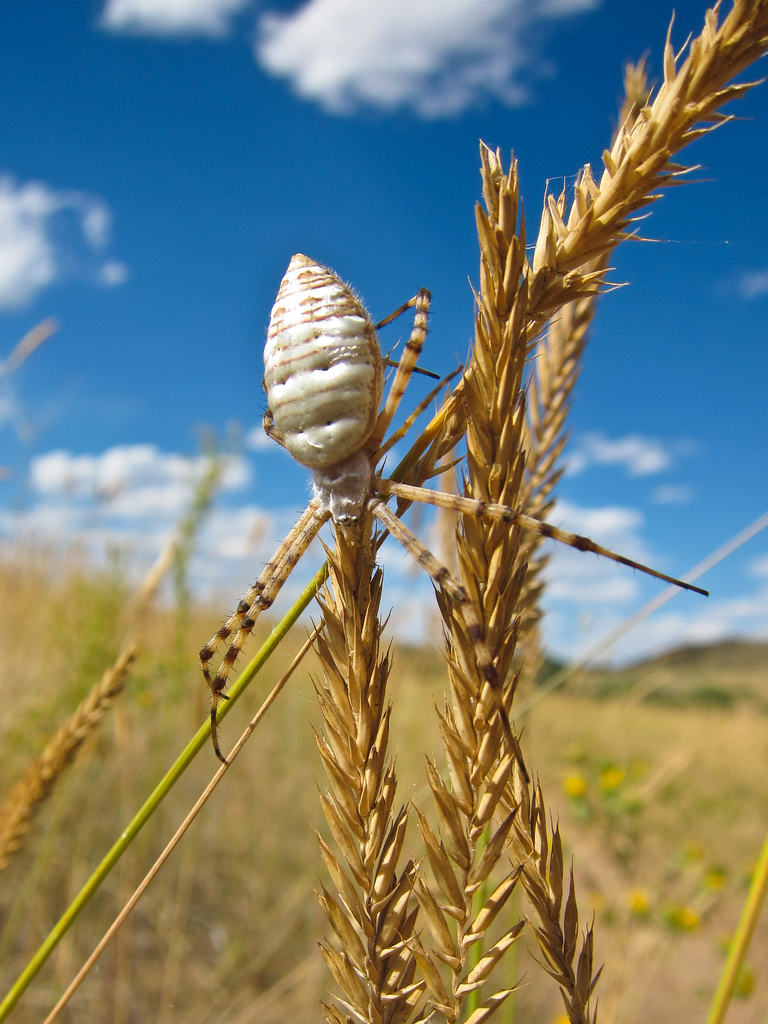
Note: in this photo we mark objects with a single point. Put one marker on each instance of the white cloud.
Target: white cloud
(597, 586)
(753, 284)
(575, 580)
(436, 57)
(113, 273)
(702, 622)
(589, 582)
(607, 525)
(588, 597)
(97, 224)
(670, 494)
(256, 440)
(130, 498)
(42, 230)
(135, 480)
(171, 17)
(640, 456)
(27, 261)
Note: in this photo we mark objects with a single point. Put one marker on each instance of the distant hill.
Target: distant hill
(727, 674)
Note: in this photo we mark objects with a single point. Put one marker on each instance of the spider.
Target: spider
(324, 382)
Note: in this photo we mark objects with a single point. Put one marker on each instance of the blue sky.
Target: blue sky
(161, 160)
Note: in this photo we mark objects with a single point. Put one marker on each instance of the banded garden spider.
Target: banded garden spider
(324, 382)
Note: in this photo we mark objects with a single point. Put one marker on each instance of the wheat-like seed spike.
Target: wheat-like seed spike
(687, 106)
(39, 779)
(515, 301)
(26, 797)
(480, 753)
(640, 161)
(374, 917)
(539, 852)
(555, 371)
(497, 437)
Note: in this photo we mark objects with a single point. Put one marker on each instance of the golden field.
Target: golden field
(660, 788)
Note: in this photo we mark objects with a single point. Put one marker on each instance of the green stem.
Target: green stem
(741, 939)
(477, 949)
(201, 737)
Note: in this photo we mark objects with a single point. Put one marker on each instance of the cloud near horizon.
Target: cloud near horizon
(130, 498)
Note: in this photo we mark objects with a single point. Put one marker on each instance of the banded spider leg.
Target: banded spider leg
(256, 600)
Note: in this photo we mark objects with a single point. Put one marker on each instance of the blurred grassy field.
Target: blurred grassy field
(658, 774)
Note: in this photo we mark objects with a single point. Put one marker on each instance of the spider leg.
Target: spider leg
(256, 600)
(405, 366)
(442, 578)
(408, 423)
(471, 506)
(416, 369)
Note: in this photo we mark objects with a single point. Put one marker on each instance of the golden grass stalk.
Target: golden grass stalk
(483, 773)
(556, 367)
(28, 794)
(515, 300)
(373, 912)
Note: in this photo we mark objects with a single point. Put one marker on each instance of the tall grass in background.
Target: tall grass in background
(421, 922)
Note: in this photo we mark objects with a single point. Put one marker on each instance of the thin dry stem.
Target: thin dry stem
(178, 834)
(32, 340)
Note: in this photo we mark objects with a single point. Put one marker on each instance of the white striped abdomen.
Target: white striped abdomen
(322, 366)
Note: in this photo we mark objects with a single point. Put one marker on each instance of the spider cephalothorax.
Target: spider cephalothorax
(324, 377)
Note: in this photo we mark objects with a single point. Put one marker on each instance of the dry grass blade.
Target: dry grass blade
(32, 340)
